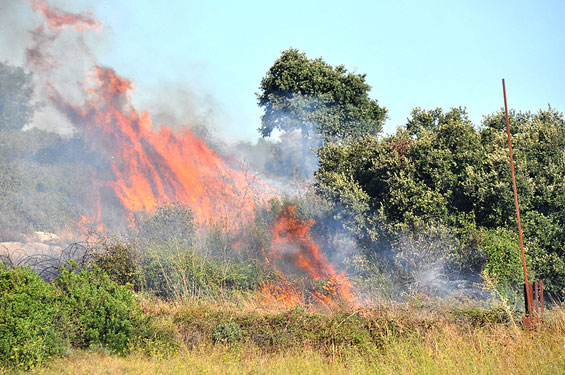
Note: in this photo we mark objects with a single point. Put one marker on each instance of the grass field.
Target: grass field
(416, 338)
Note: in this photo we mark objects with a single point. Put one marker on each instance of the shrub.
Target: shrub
(227, 333)
(183, 274)
(29, 318)
(99, 311)
(504, 263)
(170, 224)
(119, 261)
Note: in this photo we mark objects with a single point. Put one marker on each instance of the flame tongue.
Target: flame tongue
(292, 245)
(149, 166)
(57, 18)
(156, 166)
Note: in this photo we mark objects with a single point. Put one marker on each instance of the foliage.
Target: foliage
(100, 312)
(30, 331)
(227, 333)
(441, 170)
(171, 224)
(310, 95)
(504, 258)
(120, 262)
(16, 91)
(39, 320)
(183, 274)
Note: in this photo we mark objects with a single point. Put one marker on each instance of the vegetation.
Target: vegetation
(411, 339)
(403, 215)
(29, 317)
(79, 310)
(440, 170)
(310, 95)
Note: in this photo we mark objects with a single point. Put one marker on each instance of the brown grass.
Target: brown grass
(396, 339)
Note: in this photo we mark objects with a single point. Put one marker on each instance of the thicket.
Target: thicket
(438, 178)
(39, 320)
(441, 171)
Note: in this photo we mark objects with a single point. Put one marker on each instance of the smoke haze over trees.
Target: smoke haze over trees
(438, 174)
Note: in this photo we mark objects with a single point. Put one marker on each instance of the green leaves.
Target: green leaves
(441, 170)
(29, 315)
(300, 93)
(39, 320)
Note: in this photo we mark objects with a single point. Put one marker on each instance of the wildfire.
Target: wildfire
(151, 166)
(283, 294)
(294, 251)
(57, 18)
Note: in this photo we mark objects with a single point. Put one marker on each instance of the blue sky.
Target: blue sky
(415, 53)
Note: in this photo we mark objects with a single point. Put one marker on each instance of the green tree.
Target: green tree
(441, 170)
(16, 90)
(311, 95)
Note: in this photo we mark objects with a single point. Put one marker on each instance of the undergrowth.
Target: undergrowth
(393, 339)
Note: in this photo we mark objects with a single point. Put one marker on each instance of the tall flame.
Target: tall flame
(151, 166)
(157, 166)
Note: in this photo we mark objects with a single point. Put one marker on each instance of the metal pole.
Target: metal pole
(541, 297)
(528, 294)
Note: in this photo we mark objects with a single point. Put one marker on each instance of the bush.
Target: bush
(504, 261)
(100, 312)
(227, 333)
(170, 224)
(184, 274)
(29, 319)
(119, 261)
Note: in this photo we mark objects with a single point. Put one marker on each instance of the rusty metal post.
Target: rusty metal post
(541, 297)
(528, 287)
(536, 297)
(526, 306)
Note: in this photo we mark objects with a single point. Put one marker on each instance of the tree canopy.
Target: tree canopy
(439, 169)
(311, 95)
(16, 90)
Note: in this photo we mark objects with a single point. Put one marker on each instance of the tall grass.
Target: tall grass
(397, 339)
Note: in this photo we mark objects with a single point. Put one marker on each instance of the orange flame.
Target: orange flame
(150, 166)
(57, 18)
(292, 244)
(153, 167)
(283, 294)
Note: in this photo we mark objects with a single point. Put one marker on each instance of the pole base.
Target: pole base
(530, 323)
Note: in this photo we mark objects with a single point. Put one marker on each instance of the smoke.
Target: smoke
(135, 166)
(15, 21)
(292, 155)
(424, 259)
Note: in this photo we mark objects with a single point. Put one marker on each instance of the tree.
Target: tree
(316, 98)
(16, 90)
(440, 170)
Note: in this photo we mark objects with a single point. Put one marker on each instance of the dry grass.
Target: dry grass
(424, 341)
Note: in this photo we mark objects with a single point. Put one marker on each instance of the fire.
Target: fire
(57, 18)
(151, 166)
(293, 250)
(282, 294)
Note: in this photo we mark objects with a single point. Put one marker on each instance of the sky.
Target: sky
(424, 54)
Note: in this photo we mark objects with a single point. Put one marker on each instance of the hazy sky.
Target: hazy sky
(415, 53)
